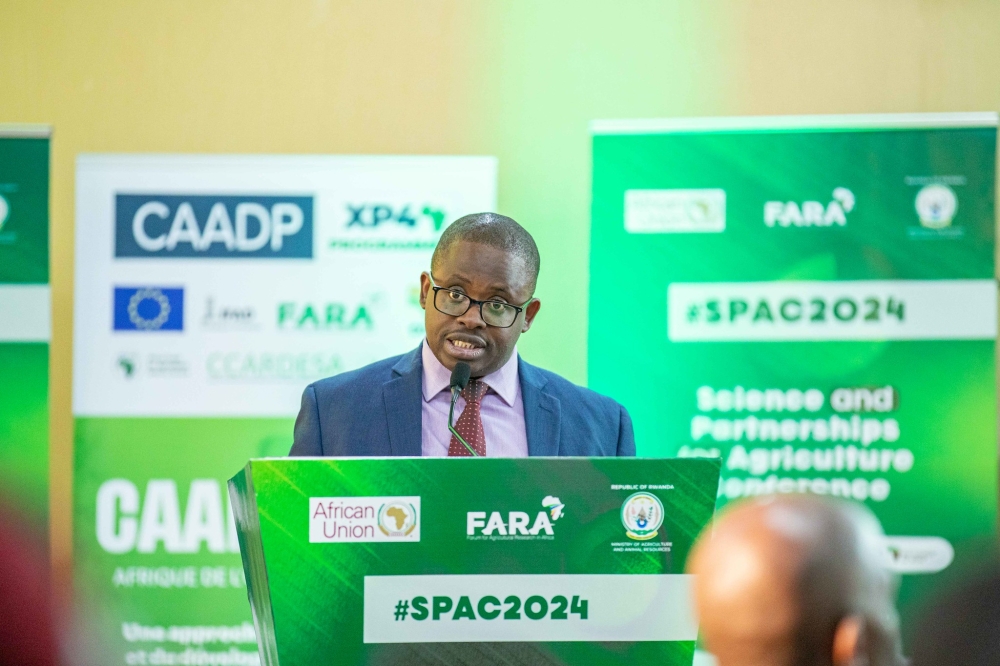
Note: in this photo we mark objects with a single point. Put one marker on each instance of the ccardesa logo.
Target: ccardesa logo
(172, 226)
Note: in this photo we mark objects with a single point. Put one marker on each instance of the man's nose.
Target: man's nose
(472, 318)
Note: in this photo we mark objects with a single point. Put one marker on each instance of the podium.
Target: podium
(388, 561)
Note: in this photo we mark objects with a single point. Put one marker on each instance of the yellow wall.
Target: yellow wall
(517, 79)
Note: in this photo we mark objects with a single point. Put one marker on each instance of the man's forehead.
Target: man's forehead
(484, 265)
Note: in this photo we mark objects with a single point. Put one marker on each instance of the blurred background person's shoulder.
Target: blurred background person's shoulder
(961, 627)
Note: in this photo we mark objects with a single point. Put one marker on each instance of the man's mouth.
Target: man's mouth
(465, 349)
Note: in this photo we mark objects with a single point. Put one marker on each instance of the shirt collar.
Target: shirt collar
(436, 377)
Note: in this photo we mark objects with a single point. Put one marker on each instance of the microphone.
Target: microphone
(459, 380)
(460, 376)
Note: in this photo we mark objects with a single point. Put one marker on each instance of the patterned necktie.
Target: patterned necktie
(470, 423)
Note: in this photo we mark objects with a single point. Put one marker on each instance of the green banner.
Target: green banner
(418, 560)
(813, 300)
(156, 557)
(24, 319)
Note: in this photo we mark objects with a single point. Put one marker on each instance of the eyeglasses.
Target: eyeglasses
(494, 313)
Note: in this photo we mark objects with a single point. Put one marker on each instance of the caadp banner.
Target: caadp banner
(210, 290)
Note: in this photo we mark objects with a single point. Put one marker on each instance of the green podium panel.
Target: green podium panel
(472, 561)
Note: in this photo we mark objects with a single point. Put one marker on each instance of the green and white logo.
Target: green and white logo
(936, 206)
(127, 363)
(4, 210)
(642, 516)
(389, 225)
(305, 316)
(678, 211)
(810, 213)
(515, 525)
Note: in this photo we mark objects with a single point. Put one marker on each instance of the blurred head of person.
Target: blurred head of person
(962, 626)
(796, 580)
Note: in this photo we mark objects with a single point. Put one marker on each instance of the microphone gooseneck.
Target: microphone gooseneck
(459, 380)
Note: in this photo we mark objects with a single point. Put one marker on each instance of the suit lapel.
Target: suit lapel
(541, 412)
(401, 398)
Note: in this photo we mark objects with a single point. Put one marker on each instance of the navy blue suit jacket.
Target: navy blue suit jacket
(376, 411)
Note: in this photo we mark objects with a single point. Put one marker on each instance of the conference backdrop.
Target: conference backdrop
(209, 292)
(24, 320)
(813, 300)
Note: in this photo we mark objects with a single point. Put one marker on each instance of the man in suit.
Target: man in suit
(478, 299)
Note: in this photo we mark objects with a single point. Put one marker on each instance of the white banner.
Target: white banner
(223, 285)
(25, 313)
(818, 310)
(524, 607)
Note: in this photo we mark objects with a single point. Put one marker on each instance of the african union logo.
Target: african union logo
(642, 516)
(149, 309)
(397, 519)
(936, 205)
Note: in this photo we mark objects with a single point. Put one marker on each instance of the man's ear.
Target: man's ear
(425, 286)
(848, 642)
(529, 314)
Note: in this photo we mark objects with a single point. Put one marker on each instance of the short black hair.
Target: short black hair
(495, 230)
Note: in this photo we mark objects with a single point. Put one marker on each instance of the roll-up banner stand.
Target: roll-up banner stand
(25, 316)
(812, 299)
(210, 290)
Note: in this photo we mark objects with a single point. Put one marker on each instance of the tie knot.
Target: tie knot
(474, 391)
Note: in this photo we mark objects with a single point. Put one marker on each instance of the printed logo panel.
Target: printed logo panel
(149, 309)
(832, 310)
(362, 519)
(811, 213)
(389, 225)
(675, 211)
(515, 525)
(919, 554)
(186, 226)
(534, 607)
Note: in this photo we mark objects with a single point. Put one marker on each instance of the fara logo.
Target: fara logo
(811, 213)
(936, 206)
(172, 226)
(4, 211)
(642, 516)
(363, 519)
(515, 525)
(148, 309)
(328, 316)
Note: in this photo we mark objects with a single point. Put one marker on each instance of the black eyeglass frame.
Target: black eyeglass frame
(520, 308)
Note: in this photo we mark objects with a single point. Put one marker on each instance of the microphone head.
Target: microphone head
(460, 375)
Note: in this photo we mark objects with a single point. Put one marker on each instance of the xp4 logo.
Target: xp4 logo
(373, 215)
(387, 226)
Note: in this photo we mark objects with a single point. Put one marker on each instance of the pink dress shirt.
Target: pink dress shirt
(502, 410)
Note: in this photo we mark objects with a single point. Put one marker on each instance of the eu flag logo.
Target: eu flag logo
(149, 309)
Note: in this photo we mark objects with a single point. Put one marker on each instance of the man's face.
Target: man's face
(484, 273)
